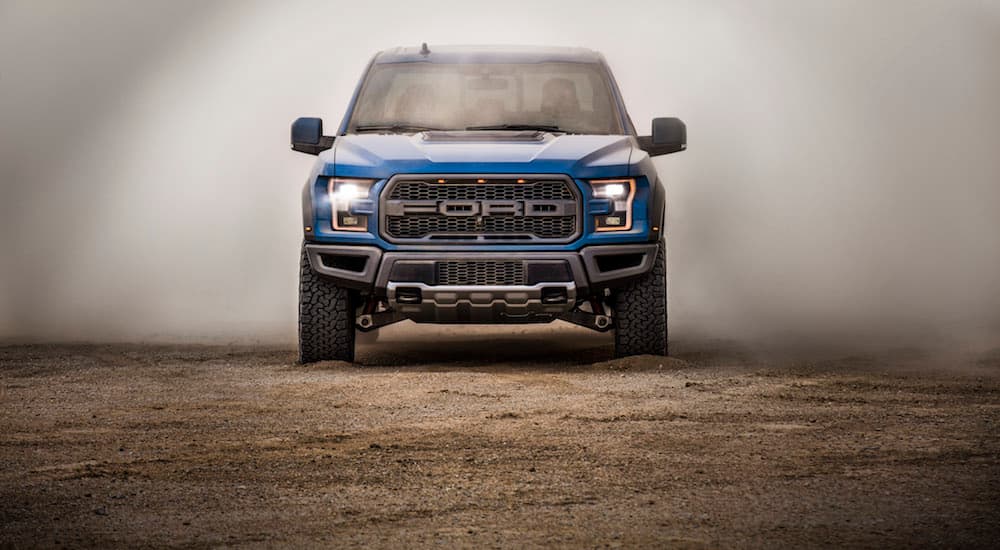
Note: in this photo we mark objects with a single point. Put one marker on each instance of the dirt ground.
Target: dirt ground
(499, 438)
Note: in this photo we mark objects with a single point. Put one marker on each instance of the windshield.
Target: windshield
(412, 97)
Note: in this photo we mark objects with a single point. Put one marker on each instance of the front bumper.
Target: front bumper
(407, 280)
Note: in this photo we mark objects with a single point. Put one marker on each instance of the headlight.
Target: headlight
(348, 198)
(619, 193)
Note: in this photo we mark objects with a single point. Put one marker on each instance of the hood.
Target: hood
(381, 156)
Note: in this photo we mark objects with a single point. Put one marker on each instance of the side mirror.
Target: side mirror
(307, 136)
(669, 136)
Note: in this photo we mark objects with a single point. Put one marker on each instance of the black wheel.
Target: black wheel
(326, 317)
(640, 312)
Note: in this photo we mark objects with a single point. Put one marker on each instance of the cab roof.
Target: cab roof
(488, 54)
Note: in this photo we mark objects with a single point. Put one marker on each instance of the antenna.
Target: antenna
(424, 50)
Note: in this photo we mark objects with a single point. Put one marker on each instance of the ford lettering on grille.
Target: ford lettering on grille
(464, 209)
(481, 208)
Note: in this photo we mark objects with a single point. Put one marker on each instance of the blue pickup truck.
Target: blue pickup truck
(484, 185)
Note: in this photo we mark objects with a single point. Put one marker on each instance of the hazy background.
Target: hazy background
(842, 182)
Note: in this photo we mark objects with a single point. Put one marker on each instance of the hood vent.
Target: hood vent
(483, 135)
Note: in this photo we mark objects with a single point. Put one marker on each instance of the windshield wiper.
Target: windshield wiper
(539, 127)
(394, 128)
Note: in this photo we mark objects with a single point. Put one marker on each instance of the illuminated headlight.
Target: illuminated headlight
(345, 194)
(620, 193)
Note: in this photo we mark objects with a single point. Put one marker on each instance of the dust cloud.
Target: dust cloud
(842, 183)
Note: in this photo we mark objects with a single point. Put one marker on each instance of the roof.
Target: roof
(489, 54)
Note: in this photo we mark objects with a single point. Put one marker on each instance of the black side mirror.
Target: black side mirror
(669, 136)
(307, 136)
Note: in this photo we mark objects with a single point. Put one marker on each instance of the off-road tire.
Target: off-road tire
(326, 317)
(640, 312)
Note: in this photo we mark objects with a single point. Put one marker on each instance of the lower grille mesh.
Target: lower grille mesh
(414, 227)
(481, 273)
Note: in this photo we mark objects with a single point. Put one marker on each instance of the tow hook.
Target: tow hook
(600, 323)
(372, 321)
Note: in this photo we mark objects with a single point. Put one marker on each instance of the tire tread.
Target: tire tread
(326, 317)
(640, 312)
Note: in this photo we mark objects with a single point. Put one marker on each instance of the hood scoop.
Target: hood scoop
(477, 136)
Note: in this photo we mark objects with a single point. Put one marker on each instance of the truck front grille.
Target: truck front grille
(473, 209)
(481, 273)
